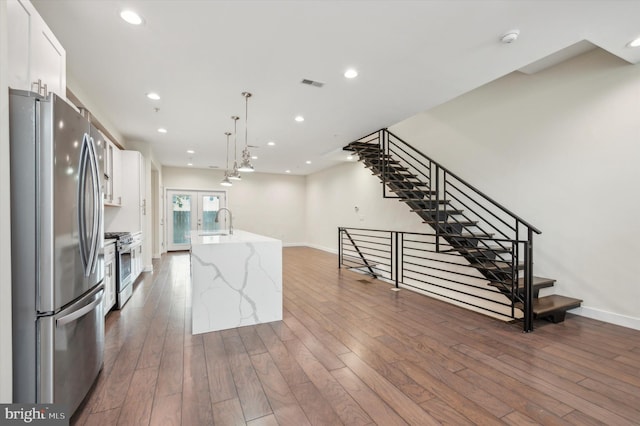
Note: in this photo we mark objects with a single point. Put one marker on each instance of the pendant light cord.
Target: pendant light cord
(246, 121)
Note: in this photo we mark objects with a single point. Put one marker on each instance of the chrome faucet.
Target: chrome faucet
(230, 219)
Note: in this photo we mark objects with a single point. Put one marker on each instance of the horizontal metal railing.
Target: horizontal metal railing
(412, 260)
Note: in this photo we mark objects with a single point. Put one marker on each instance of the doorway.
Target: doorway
(192, 211)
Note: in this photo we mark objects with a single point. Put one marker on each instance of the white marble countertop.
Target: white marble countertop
(222, 237)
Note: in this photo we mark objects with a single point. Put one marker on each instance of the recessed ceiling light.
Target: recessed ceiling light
(634, 43)
(153, 96)
(271, 143)
(308, 162)
(299, 119)
(131, 17)
(287, 171)
(254, 157)
(351, 73)
(189, 164)
(162, 130)
(190, 151)
(350, 158)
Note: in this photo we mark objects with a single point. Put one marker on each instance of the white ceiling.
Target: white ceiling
(410, 55)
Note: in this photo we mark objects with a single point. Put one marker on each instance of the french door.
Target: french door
(192, 211)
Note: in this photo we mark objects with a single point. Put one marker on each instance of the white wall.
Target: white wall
(560, 148)
(5, 220)
(334, 193)
(268, 204)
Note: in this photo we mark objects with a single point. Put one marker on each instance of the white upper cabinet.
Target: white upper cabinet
(36, 58)
(130, 215)
(112, 175)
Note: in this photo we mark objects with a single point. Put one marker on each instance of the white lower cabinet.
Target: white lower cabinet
(109, 276)
(137, 262)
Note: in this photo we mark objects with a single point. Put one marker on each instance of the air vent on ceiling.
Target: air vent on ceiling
(311, 83)
(214, 167)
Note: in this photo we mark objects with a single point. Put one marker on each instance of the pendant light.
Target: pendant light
(246, 165)
(226, 181)
(235, 174)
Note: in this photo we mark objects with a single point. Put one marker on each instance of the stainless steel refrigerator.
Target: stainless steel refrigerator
(56, 250)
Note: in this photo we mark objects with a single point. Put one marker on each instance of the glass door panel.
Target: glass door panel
(208, 206)
(192, 211)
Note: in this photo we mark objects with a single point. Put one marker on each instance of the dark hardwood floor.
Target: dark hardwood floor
(350, 351)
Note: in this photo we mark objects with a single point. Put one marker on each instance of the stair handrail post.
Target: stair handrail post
(395, 264)
(528, 282)
(340, 247)
(437, 215)
(382, 144)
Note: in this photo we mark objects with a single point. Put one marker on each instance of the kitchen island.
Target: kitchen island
(236, 280)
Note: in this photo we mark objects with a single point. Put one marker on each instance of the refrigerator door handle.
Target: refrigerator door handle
(95, 238)
(75, 315)
(82, 225)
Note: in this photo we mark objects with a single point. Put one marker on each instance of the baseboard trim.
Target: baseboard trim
(148, 268)
(327, 249)
(610, 317)
(294, 244)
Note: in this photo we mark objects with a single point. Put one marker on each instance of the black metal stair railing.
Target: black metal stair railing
(465, 221)
(412, 260)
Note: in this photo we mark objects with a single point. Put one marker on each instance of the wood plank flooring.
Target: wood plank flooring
(350, 351)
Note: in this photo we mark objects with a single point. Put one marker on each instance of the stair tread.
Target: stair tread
(496, 266)
(418, 209)
(538, 283)
(433, 222)
(472, 235)
(494, 249)
(553, 303)
(441, 222)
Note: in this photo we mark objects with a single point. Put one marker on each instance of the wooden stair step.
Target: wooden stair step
(361, 145)
(474, 251)
(537, 284)
(420, 201)
(553, 307)
(471, 235)
(449, 212)
(497, 266)
(416, 210)
(453, 222)
(553, 303)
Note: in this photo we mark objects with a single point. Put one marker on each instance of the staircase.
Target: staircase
(467, 223)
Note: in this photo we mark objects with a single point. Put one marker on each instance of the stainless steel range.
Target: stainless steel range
(124, 276)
